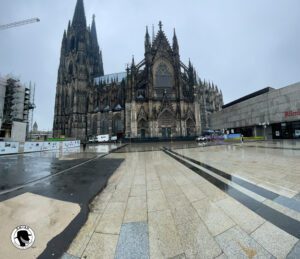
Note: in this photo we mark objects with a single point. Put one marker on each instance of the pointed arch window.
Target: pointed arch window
(163, 76)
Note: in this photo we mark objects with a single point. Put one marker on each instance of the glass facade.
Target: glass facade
(286, 130)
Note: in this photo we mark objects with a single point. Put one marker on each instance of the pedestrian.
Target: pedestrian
(242, 138)
(84, 146)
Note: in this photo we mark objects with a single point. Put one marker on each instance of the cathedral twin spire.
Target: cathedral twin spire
(79, 32)
(79, 20)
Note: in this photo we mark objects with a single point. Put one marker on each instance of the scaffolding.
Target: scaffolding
(18, 105)
(30, 108)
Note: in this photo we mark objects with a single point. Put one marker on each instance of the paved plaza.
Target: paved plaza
(155, 200)
(186, 200)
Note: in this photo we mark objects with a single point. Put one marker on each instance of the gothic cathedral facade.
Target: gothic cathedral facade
(159, 97)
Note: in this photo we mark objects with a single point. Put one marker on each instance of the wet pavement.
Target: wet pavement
(157, 146)
(17, 170)
(192, 200)
(158, 200)
(76, 177)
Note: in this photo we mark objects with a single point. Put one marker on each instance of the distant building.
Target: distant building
(40, 135)
(14, 109)
(271, 113)
(159, 97)
(35, 127)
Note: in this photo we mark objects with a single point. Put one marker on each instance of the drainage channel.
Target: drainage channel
(277, 218)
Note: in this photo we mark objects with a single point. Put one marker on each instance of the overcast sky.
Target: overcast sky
(242, 46)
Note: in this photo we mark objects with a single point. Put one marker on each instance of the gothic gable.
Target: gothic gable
(142, 114)
(161, 46)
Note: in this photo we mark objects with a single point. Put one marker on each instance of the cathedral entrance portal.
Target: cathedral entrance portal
(142, 126)
(166, 121)
(143, 133)
(166, 132)
(190, 127)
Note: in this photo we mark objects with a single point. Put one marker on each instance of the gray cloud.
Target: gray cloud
(242, 46)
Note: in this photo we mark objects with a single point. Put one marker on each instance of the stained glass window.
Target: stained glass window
(163, 77)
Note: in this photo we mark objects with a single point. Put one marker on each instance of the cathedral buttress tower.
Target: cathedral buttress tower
(80, 62)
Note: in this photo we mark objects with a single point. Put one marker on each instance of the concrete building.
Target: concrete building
(272, 113)
(15, 105)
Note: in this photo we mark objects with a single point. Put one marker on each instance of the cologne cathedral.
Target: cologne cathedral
(158, 97)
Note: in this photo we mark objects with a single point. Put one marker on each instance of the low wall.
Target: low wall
(26, 147)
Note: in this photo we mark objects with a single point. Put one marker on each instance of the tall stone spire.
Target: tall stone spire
(175, 43)
(79, 20)
(97, 54)
(93, 32)
(147, 41)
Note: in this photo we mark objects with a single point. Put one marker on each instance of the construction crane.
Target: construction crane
(19, 23)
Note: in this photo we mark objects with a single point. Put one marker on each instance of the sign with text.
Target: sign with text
(291, 113)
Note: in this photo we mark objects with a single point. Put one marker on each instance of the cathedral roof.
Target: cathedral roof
(117, 77)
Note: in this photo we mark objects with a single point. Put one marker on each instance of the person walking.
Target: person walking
(242, 138)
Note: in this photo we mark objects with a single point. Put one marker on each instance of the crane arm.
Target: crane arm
(19, 23)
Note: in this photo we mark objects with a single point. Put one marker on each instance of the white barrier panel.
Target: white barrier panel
(71, 150)
(15, 147)
(71, 144)
(9, 147)
(33, 146)
(50, 146)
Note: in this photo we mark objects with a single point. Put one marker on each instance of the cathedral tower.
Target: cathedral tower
(80, 63)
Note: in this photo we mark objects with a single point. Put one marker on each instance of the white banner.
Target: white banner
(9, 147)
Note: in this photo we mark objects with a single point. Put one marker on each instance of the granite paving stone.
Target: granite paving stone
(121, 194)
(69, 256)
(156, 200)
(184, 214)
(192, 192)
(136, 209)
(175, 202)
(276, 241)
(241, 215)
(164, 240)
(139, 179)
(138, 190)
(221, 256)
(196, 240)
(172, 190)
(133, 242)
(153, 185)
(83, 237)
(214, 218)
(101, 246)
(181, 256)
(295, 252)
(236, 243)
(112, 218)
